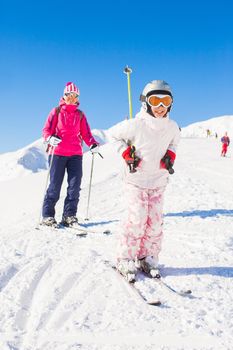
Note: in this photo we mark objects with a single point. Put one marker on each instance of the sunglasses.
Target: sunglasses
(71, 94)
(156, 101)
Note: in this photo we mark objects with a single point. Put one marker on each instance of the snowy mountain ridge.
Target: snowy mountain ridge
(217, 125)
(32, 158)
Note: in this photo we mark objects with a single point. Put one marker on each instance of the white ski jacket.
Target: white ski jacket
(152, 137)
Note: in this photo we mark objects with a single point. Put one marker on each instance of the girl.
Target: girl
(150, 141)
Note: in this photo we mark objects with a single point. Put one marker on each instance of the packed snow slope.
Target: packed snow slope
(57, 293)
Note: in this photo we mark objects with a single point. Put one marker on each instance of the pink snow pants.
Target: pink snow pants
(142, 230)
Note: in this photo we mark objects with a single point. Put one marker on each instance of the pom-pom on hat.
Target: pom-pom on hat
(71, 87)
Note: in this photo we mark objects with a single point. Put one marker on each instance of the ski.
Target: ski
(84, 231)
(182, 293)
(131, 285)
(90, 230)
(53, 227)
(163, 284)
(79, 230)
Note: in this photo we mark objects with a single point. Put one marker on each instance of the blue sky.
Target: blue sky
(45, 44)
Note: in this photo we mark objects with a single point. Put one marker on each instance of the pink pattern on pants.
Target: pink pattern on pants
(142, 235)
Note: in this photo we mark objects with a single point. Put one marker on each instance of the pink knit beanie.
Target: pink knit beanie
(71, 87)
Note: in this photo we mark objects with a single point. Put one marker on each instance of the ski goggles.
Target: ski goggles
(71, 94)
(157, 100)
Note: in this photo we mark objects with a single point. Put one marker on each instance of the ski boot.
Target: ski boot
(149, 265)
(127, 269)
(49, 221)
(70, 221)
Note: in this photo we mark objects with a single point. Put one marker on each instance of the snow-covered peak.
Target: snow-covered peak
(217, 125)
(32, 158)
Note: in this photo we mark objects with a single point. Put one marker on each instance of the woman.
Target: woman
(65, 129)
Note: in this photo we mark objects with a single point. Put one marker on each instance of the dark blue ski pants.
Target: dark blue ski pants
(60, 164)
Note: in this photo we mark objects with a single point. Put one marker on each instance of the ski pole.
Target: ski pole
(100, 155)
(89, 192)
(128, 71)
(46, 183)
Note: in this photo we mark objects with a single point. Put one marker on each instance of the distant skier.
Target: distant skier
(64, 130)
(150, 140)
(225, 143)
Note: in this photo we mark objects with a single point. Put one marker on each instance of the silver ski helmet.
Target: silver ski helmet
(155, 87)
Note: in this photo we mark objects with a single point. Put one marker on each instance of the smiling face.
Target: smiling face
(71, 98)
(159, 112)
(158, 104)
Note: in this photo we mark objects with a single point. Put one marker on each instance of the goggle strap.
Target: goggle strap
(160, 92)
(142, 98)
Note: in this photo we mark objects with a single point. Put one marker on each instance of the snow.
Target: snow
(56, 292)
(33, 158)
(218, 125)
(15, 164)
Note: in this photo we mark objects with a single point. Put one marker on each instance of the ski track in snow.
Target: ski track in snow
(56, 292)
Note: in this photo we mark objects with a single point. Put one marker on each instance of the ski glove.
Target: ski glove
(53, 140)
(94, 148)
(131, 159)
(167, 161)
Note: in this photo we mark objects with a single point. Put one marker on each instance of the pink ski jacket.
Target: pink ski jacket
(71, 125)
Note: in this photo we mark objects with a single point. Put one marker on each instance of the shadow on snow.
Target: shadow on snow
(90, 224)
(222, 271)
(202, 213)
